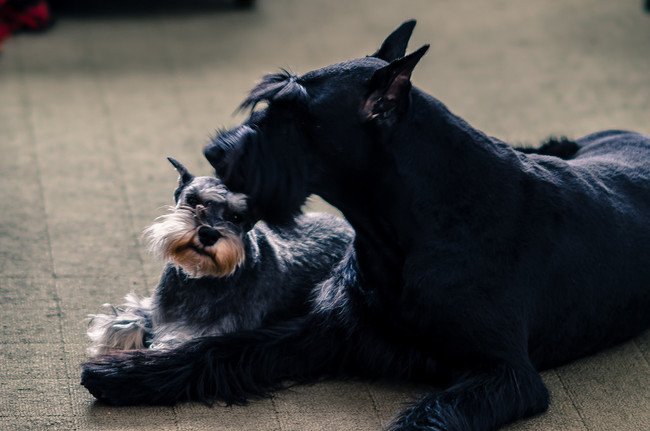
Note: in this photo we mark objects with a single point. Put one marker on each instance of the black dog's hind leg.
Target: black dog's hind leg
(230, 368)
(478, 402)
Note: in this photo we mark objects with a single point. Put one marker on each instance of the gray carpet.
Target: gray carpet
(90, 109)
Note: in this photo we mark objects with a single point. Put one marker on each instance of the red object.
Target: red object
(15, 16)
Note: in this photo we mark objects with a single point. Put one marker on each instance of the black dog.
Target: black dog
(226, 271)
(474, 265)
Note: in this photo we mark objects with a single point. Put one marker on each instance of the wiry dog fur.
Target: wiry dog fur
(222, 276)
(474, 265)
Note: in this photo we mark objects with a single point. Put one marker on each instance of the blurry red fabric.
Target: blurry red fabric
(15, 17)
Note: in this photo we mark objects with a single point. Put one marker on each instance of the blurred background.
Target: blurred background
(93, 102)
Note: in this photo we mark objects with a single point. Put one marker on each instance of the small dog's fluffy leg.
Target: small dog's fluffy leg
(125, 328)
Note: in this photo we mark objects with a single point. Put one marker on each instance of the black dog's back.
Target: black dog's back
(600, 193)
(618, 146)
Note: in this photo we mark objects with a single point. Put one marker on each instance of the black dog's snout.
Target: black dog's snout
(215, 152)
(208, 236)
(225, 151)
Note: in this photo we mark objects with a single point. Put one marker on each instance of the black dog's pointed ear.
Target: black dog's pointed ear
(390, 86)
(184, 176)
(394, 46)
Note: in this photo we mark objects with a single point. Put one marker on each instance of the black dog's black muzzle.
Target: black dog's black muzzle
(267, 167)
(225, 152)
(227, 155)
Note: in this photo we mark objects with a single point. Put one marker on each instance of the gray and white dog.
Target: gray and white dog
(225, 272)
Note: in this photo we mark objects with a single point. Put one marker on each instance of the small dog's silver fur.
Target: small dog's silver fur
(225, 272)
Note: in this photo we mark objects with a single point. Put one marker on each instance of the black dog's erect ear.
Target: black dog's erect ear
(390, 86)
(184, 176)
(394, 46)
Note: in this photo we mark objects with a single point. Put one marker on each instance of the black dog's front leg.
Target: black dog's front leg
(478, 402)
(230, 368)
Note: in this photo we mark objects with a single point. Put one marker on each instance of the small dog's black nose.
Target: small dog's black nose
(208, 236)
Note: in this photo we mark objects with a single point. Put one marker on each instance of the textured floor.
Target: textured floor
(90, 109)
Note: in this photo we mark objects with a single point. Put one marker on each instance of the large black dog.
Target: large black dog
(474, 265)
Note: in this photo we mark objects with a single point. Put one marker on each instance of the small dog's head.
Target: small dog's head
(320, 133)
(204, 232)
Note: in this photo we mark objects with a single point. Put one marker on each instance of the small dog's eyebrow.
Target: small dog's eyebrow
(237, 202)
(212, 194)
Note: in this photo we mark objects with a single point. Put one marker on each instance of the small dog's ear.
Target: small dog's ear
(390, 87)
(394, 46)
(184, 176)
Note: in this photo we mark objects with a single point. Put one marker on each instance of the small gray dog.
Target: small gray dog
(225, 272)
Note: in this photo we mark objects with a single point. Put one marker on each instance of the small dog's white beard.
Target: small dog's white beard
(218, 260)
(177, 225)
(174, 237)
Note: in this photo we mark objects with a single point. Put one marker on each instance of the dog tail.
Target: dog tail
(558, 147)
(230, 368)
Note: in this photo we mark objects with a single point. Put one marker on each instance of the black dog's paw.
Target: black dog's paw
(482, 401)
(432, 412)
(96, 379)
(130, 378)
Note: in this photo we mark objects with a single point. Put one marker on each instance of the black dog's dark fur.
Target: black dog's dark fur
(563, 148)
(474, 265)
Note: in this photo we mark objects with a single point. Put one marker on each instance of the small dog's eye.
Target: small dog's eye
(193, 201)
(234, 217)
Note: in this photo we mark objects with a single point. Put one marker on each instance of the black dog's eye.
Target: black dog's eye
(234, 217)
(193, 201)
